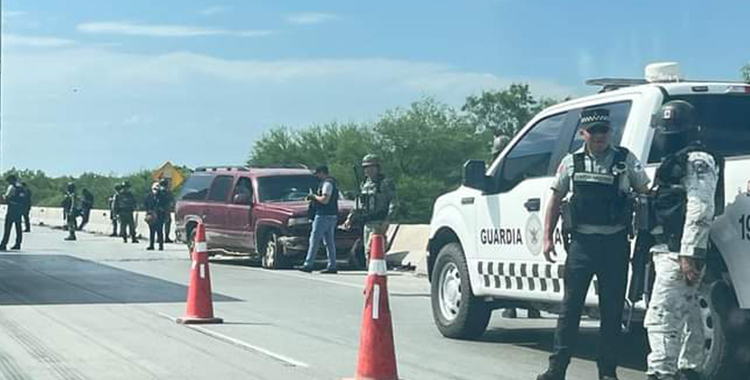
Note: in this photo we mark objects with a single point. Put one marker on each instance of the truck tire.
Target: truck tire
(191, 240)
(457, 312)
(271, 256)
(723, 324)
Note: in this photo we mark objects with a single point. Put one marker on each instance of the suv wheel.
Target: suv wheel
(272, 257)
(455, 309)
(723, 324)
(191, 241)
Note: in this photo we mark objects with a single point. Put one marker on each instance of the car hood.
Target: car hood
(301, 207)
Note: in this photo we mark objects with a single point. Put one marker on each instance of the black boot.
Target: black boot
(688, 374)
(551, 374)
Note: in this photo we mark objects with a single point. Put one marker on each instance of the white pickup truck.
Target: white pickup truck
(485, 242)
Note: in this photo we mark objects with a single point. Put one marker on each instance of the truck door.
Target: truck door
(240, 217)
(215, 210)
(509, 229)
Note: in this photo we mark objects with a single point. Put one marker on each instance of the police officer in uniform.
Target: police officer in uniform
(377, 199)
(684, 205)
(70, 210)
(598, 178)
(14, 198)
(125, 204)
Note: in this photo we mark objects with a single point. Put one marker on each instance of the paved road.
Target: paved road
(101, 309)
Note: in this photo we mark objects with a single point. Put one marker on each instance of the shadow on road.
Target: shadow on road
(633, 352)
(62, 279)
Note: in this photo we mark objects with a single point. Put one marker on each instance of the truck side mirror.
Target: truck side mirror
(474, 176)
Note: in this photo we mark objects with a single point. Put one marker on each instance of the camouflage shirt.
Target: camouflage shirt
(700, 182)
(377, 198)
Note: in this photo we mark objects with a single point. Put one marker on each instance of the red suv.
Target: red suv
(259, 212)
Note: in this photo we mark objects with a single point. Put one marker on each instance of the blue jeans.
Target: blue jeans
(323, 228)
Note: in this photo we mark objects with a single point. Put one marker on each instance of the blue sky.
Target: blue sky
(117, 86)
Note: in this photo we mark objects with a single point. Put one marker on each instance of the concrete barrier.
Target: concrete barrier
(99, 220)
(409, 247)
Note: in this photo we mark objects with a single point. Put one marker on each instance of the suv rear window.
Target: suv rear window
(286, 188)
(196, 188)
(725, 123)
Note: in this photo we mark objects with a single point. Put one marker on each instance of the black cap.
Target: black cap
(321, 169)
(595, 119)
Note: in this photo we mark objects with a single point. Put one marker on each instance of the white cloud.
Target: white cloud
(215, 10)
(13, 14)
(134, 110)
(309, 18)
(132, 29)
(35, 41)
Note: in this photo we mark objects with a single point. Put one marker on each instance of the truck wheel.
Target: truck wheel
(722, 322)
(191, 241)
(456, 311)
(272, 257)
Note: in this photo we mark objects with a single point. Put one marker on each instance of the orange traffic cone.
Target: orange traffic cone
(377, 354)
(199, 304)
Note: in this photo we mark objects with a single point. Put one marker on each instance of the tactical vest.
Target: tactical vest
(597, 198)
(371, 200)
(670, 199)
(332, 207)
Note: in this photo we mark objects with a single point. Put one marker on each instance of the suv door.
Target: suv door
(240, 217)
(509, 217)
(215, 210)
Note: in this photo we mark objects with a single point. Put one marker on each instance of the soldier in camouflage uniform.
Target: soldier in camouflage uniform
(125, 205)
(683, 211)
(377, 201)
(70, 210)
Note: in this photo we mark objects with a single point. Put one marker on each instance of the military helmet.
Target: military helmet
(164, 182)
(118, 187)
(370, 160)
(499, 143)
(677, 116)
(71, 187)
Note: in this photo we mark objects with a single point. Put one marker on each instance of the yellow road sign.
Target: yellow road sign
(171, 173)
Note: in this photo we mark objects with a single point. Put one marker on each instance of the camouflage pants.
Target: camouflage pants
(373, 228)
(673, 320)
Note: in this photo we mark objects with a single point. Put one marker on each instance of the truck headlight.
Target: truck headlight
(298, 221)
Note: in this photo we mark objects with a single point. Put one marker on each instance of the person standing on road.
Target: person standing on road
(113, 211)
(599, 178)
(86, 205)
(156, 210)
(378, 201)
(70, 210)
(125, 205)
(324, 222)
(14, 197)
(167, 191)
(26, 207)
(684, 204)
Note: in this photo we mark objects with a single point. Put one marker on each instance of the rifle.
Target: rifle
(356, 216)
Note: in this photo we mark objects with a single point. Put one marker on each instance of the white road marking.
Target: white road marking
(247, 346)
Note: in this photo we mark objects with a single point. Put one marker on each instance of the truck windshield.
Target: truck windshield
(725, 123)
(286, 188)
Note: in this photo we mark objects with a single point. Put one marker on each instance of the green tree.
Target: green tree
(423, 149)
(504, 112)
(746, 72)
